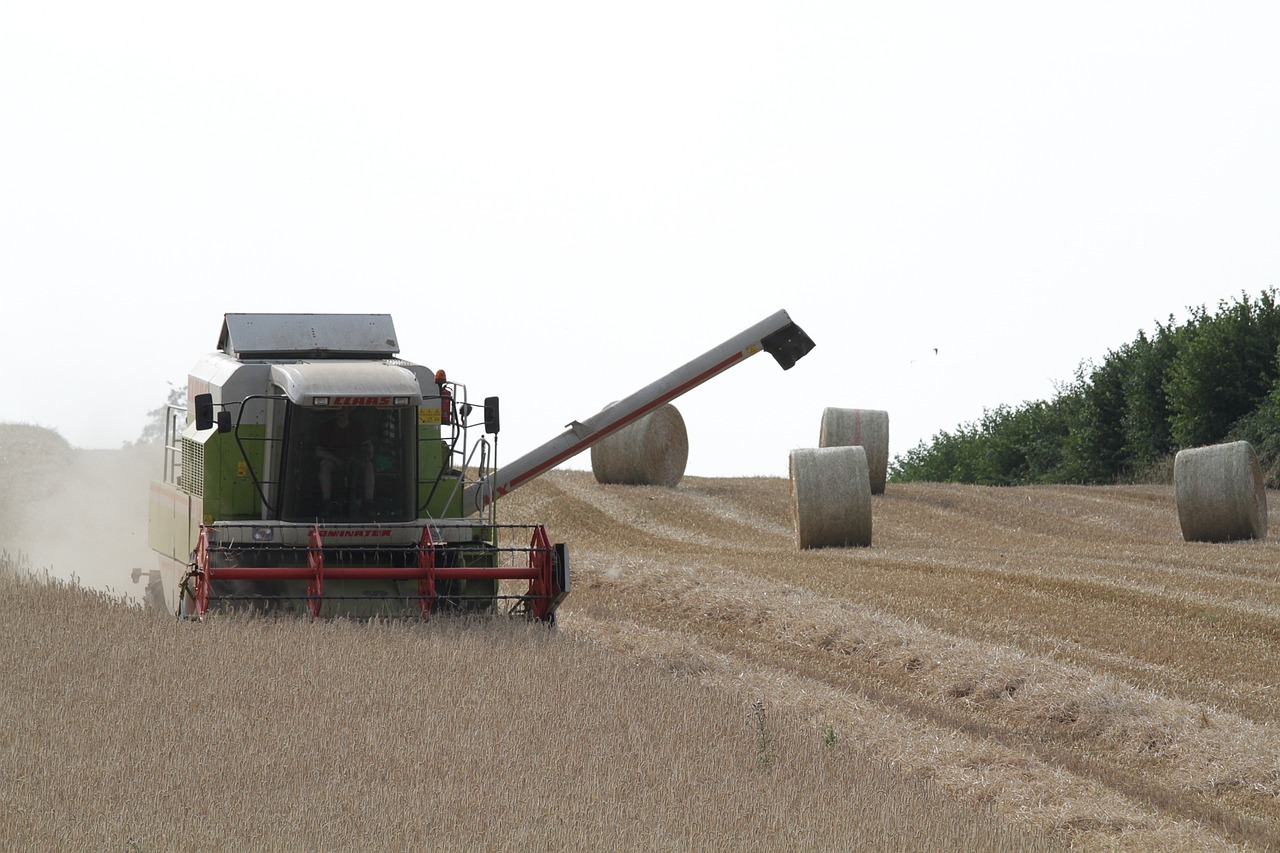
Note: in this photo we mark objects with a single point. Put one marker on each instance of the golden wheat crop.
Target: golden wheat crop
(126, 730)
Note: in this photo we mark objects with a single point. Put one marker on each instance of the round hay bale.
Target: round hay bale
(1220, 493)
(651, 451)
(867, 428)
(831, 497)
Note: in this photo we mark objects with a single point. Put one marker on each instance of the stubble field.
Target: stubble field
(1059, 652)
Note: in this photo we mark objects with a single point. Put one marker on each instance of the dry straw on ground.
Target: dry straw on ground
(830, 497)
(1220, 493)
(867, 428)
(1057, 651)
(651, 451)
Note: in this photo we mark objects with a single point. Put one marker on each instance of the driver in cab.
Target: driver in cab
(342, 446)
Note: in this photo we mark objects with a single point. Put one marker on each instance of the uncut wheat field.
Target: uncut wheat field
(1038, 668)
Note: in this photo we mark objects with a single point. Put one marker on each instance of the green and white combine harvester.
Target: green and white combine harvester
(266, 504)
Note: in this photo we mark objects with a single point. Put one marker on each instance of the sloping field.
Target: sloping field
(1002, 663)
(1057, 651)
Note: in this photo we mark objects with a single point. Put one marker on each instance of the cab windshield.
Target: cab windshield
(352, 464)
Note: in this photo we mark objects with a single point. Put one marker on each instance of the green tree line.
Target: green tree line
(1213, 378)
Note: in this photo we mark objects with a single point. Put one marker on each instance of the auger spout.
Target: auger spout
(777, 335)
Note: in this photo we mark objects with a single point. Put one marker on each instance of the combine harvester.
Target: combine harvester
(318, 473)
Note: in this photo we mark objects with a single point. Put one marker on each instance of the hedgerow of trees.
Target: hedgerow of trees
(1213, 378)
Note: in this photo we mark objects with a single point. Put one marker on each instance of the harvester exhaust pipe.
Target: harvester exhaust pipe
(776, 335)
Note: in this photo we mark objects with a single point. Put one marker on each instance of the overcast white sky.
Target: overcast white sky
(560, 202)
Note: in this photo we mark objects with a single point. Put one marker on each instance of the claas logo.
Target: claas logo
(362, 401)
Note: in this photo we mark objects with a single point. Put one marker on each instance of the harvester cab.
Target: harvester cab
(318, 472)
(350, 458)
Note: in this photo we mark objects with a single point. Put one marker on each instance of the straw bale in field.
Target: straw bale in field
(867, 428)
(1220, 493)
(831, 496)
(650, 451)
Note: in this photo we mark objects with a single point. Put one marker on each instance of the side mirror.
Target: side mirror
(491, 420)
(205, 418)
(204, 411)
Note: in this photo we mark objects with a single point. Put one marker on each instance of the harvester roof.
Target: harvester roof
(299, 336)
